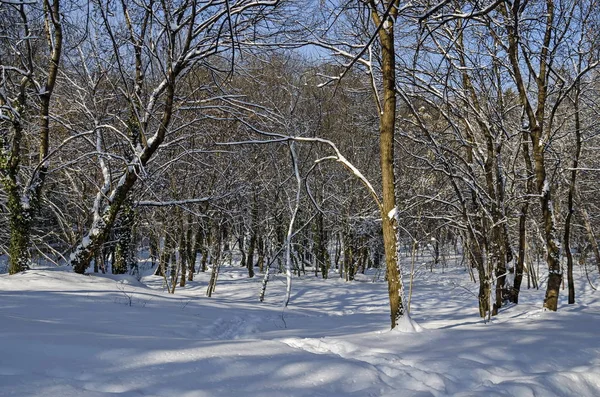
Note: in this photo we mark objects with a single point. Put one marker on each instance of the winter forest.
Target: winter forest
(299, 198)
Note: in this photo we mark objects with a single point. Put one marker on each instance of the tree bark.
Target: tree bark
(124, 246)
(250, 255)
(216, 264)
(570, 198)
(23, 201)
(387, 123)
(190, 252)
(96, 236)
(260, 261)
(520, 266)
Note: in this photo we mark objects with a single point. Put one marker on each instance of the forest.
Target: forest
(303, 137)
(299, 198)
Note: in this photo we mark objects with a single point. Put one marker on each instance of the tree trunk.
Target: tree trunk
(101, 226)
(536, 122)
(20, 224)
(387, 121)
(241, 239)
(260, 262)
(520, 266)
(552, 245)
(571, 194)
(205, 254)
(175, 267)
(164, 257)
(476, 260)
(348, 259)
(190, 252)
(23, 201)
(216, 265)
(124, 246)
(19, 219)
(250, 256)
(318, 246)
(183, 262)
(338, 252)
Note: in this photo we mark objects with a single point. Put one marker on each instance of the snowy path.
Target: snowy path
(62, 334)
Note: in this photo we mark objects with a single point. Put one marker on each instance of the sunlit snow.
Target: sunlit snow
(69, 335)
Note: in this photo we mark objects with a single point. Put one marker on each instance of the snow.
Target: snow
(64, 334)
(407, 324)
(546, 188)
(393, 213)
(25, 203)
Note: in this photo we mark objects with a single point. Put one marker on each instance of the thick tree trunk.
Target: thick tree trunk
(550, 236)
(18, 249)
(387, 122)
(24, 200)
(19, 219)
(125, 247)
(98, 233)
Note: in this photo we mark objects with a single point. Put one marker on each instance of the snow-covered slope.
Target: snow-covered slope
(64, 335)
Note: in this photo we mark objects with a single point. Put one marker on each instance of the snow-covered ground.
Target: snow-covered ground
(64, 335)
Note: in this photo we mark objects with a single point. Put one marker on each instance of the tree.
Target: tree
(534, 52)
(383, 17)
(188, 35)
(23, 88)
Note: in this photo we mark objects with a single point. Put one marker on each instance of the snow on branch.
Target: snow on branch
(279, 138)
(341, 159)
(149, 203)
(445, 17)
